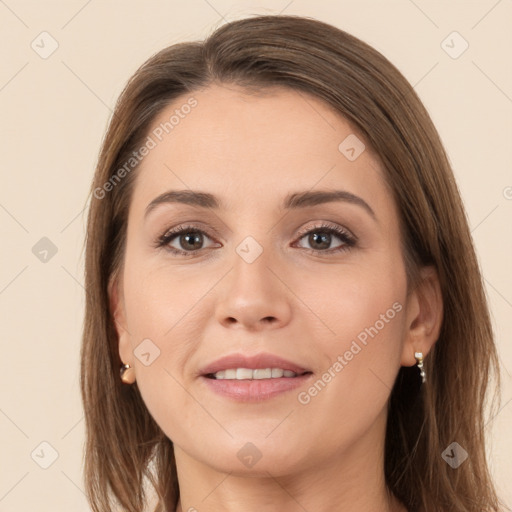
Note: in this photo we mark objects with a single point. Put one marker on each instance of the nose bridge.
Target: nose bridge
(251, 275)
(254, 294)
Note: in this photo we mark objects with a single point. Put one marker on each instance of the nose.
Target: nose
(254, 296)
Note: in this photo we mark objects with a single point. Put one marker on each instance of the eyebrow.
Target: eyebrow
(292, 201)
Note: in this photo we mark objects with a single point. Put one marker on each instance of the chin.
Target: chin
(256, 456)
(275, 465)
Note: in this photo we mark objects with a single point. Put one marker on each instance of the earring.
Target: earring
(124, 371)
(419, 361)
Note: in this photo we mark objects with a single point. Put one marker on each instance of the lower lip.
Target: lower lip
(255, 390)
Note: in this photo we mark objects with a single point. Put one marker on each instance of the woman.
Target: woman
(279, 263)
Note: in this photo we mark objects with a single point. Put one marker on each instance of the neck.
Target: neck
(351, 480)
(271, 494)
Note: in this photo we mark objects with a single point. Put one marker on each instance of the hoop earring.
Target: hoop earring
(125, 372)
(419, 361)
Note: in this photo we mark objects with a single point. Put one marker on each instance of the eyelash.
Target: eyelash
(348, 240)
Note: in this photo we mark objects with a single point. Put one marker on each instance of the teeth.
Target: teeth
(244, 373)
(259, 373)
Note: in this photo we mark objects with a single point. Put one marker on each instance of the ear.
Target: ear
(424, 316)
(118, 312)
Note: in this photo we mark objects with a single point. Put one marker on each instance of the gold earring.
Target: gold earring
(125, 372)
(419, 361)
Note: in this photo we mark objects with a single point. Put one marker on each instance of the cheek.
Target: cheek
(161, 300)
(166, 320)
(353, 301)
(365, 309)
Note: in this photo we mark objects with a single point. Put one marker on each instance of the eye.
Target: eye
(189, 238)
(320, 238)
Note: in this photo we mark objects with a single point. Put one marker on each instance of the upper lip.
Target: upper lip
(262, 360)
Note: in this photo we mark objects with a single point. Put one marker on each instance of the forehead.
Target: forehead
(256, 148)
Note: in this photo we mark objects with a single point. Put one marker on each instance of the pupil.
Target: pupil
(324, 239)
(195, 238)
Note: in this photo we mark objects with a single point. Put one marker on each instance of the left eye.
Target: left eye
(321, 236)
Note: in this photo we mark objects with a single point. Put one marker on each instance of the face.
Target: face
(318, 283)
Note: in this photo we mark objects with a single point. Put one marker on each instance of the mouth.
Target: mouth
(255, 374)
(253, 385)
(256, 366)
(254, 378)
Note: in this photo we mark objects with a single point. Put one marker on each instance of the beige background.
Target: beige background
(54, 113)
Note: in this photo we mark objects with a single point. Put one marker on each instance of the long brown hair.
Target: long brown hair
(125, 449)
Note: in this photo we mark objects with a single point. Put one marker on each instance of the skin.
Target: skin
(251, 151)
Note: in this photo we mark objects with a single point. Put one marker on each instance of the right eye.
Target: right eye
(188, 237)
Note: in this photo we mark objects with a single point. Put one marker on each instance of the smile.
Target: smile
(249, 373)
